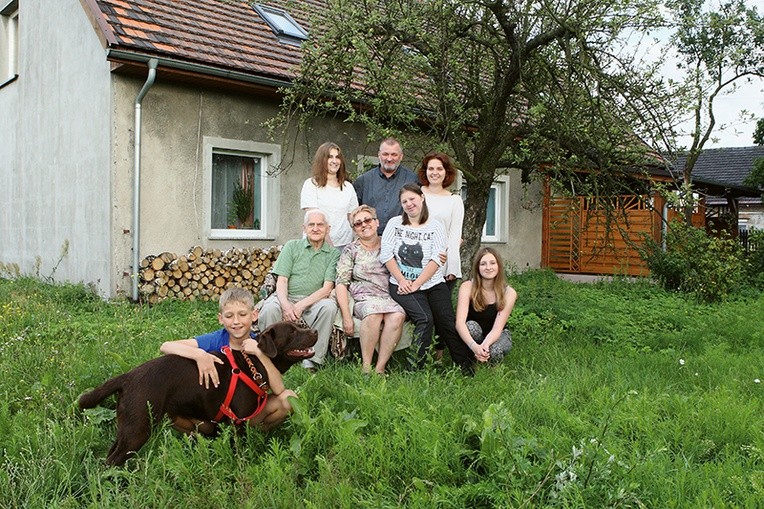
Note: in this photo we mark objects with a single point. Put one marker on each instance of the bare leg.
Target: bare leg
(369, 338)
(276, 410)
(391, 334)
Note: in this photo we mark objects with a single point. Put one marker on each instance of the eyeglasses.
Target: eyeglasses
(362, 222)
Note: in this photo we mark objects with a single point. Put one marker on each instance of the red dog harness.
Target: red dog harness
(236, 375)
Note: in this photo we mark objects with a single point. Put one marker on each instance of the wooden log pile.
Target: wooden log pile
(204, 273)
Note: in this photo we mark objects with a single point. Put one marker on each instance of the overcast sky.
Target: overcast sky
(727, 109)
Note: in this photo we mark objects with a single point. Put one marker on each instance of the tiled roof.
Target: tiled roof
(224, 34)
(728, 166)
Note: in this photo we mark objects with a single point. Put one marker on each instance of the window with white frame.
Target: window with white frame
(497, 211)
(495, 227)
(241, 196)
(9, 40)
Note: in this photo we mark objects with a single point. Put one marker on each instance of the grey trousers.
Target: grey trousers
(497, 350)
(319, 317)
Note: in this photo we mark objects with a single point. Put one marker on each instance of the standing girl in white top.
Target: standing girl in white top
(436, 174)
(329, 190)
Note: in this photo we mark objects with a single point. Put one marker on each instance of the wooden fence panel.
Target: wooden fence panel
(577, 238)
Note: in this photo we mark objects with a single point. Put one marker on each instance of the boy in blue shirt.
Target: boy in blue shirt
(236, 314)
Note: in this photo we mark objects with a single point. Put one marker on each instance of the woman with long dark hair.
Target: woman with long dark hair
(329, 190)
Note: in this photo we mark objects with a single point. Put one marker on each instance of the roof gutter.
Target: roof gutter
(131, 56)
(152, 63)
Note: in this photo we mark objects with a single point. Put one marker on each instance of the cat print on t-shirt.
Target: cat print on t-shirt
(410, 258)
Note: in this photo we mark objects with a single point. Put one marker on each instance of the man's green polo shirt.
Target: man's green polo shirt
(307, 268)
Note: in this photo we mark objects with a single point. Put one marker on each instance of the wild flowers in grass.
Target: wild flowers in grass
(592, 408)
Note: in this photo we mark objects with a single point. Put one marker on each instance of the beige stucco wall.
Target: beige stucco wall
(523, 247)
(178, 120)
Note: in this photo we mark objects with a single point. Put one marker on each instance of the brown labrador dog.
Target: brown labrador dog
(169, 385)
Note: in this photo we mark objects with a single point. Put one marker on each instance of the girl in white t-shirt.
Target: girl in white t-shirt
(329, 189)
(410, 249)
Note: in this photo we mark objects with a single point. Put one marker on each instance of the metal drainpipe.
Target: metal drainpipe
(153, 63)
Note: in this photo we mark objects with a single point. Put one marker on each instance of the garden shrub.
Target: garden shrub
(708, 266)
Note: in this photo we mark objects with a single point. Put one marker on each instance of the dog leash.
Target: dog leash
(236, 375)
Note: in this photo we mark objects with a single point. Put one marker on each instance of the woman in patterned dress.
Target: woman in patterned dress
(362, 276)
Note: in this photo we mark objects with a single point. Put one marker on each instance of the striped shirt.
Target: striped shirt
(413, 248)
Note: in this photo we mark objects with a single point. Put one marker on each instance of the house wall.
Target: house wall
(523, 247)
(753, 215)
(177, 119)
(66, 160)
(54, 156)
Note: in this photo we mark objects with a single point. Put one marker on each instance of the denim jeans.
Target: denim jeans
(429, 309)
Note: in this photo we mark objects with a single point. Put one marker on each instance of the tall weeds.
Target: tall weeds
(614, 395)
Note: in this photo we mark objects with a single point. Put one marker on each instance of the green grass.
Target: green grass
(614, 395)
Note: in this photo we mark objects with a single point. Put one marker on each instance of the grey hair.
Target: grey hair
(315, 211)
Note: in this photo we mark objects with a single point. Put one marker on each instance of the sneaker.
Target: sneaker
(308, 364)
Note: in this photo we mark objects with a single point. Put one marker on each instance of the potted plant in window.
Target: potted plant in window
(240, 207)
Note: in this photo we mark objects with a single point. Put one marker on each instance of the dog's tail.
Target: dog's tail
(93, 398)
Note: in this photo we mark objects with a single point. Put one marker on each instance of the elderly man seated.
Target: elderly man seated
(305, 270)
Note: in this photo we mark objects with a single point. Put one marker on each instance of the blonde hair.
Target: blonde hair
(359, 209)
(476, 295)
(236, 294)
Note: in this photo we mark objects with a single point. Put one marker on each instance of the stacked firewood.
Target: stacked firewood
(204, 273)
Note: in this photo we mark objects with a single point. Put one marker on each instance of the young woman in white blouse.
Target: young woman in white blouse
(436, 174)
(330, 190)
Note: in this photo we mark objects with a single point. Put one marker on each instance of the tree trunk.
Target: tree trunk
(474, 219)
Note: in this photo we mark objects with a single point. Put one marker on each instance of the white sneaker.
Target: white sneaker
(308, 364)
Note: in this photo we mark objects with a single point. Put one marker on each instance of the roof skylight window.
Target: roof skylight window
(282, 24)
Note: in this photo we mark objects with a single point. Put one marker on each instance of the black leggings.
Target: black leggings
(430, 309)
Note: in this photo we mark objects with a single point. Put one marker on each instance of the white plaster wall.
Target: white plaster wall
(754, 214)
(10, 216)
(55, 148)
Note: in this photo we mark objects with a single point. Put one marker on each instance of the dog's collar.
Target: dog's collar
(236, 375)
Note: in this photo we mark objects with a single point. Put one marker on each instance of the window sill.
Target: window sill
(235, 234)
